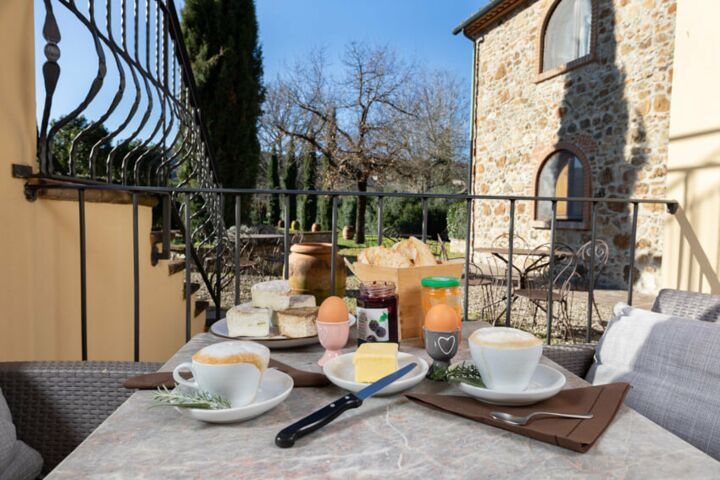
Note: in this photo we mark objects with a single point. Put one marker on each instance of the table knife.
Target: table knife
(287, 437)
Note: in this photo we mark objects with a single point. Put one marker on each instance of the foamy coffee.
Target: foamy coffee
(502, 337)
(234, 352)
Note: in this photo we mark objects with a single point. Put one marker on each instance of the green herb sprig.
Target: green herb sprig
(459, 373)
(189, 399)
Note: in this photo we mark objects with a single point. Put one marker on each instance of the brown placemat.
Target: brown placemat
(603, 401)
(301, 378)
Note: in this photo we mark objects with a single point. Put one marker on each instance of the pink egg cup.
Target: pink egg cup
(333, 336)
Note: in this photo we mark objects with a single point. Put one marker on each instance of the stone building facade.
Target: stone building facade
(609, 109)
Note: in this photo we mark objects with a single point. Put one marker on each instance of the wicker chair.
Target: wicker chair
(56, 405)
(696, 306)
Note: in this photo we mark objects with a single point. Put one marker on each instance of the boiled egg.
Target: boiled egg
(442, 318)
(333, 310)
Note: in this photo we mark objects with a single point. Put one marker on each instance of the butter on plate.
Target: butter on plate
(373, 361)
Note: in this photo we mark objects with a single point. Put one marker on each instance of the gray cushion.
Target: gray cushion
(673, 365)
(17, 460)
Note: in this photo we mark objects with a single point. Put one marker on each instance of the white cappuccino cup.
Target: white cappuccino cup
(233, 370)
(505, 357)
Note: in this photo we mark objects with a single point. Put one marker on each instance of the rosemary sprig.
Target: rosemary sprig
(189, 399)
(459, 373)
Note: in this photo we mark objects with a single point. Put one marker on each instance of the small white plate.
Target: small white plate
(341, 371)
(275, 388)
(273, 341)
(545, 383)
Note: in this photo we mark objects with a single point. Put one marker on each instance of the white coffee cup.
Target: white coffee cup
(505, 357)
(233, 370)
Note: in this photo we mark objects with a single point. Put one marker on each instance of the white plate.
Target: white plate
(545, 383)
(275, 388)
(341, 371)
(273, 341)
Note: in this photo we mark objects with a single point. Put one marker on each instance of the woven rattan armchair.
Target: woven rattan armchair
(696, 306)
(56, 405)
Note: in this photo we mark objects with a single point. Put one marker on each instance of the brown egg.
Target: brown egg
(442, 318)
(333, 310)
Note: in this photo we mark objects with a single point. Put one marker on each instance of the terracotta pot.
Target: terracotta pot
(348, 232)
(315, 227)
(281, 224)
(310, 270)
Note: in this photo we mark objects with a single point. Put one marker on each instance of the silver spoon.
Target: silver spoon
(518, 420)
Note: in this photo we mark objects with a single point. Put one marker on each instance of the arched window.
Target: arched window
(562, 174)
(568, 33)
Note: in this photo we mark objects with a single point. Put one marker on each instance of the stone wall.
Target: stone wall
(615, 110)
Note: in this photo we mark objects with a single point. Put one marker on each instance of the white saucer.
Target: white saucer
(545, 383)
(341, 371)
(275, 388)
(273, 341)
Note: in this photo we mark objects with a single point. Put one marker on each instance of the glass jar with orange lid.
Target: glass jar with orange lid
(437, 290)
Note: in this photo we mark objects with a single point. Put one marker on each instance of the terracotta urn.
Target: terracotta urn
(348, 232)
(281, 224)
(310, 270)
(315, 227)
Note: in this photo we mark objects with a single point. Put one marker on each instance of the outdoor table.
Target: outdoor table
(387, 437)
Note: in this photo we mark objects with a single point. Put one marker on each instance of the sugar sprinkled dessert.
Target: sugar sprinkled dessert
(373, 361)
(234, 352)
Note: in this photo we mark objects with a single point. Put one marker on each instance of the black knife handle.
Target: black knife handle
(286, 438)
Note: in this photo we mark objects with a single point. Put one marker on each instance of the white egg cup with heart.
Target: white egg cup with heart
(442, 347)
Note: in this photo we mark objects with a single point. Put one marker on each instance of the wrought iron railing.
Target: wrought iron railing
(159, 139)
(234, 263)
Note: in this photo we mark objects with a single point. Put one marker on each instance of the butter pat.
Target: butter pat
(274, 294)
(373, 361)
(248, 321)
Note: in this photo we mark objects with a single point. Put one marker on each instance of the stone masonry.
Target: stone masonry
(614, 109)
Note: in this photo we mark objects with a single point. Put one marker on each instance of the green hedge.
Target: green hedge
(456, 220)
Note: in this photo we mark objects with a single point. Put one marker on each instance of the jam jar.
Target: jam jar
(377, 313)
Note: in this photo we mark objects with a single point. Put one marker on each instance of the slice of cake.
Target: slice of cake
(297, 322)
(373, 361)
(248, 321)
(274, 294)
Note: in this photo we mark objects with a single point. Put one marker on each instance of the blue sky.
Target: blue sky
(418, 30)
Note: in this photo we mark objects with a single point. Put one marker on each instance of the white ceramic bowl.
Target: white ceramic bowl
(341, 371)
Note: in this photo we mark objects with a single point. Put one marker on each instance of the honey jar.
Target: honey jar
(437, 290)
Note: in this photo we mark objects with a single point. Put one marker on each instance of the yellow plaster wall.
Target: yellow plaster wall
(39, 246)
(691, 258)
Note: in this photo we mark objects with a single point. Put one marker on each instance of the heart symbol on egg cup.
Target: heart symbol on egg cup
(441, 347)
(333, 336)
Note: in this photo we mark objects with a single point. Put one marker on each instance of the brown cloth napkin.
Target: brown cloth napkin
(603, 401)
(151, 381)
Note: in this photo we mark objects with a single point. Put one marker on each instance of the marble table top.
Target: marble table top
(386, 438)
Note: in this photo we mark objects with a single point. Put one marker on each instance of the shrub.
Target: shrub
(405, 215)
(456, 220)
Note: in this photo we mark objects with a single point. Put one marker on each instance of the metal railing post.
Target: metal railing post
(424, 219)
(188, 265)
(218, 256)
(83, 276)
(333, 248)
(380, 221)
(591, 273)
(466, 293)
(631, 272)
(551, 272)
(286, 239)
(237, 248)
(509, 287)
(166, 226)
(136, 280)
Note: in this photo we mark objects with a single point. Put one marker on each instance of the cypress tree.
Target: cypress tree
(274, 182)
(290, 180)
(222, 42)
(307, 206)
